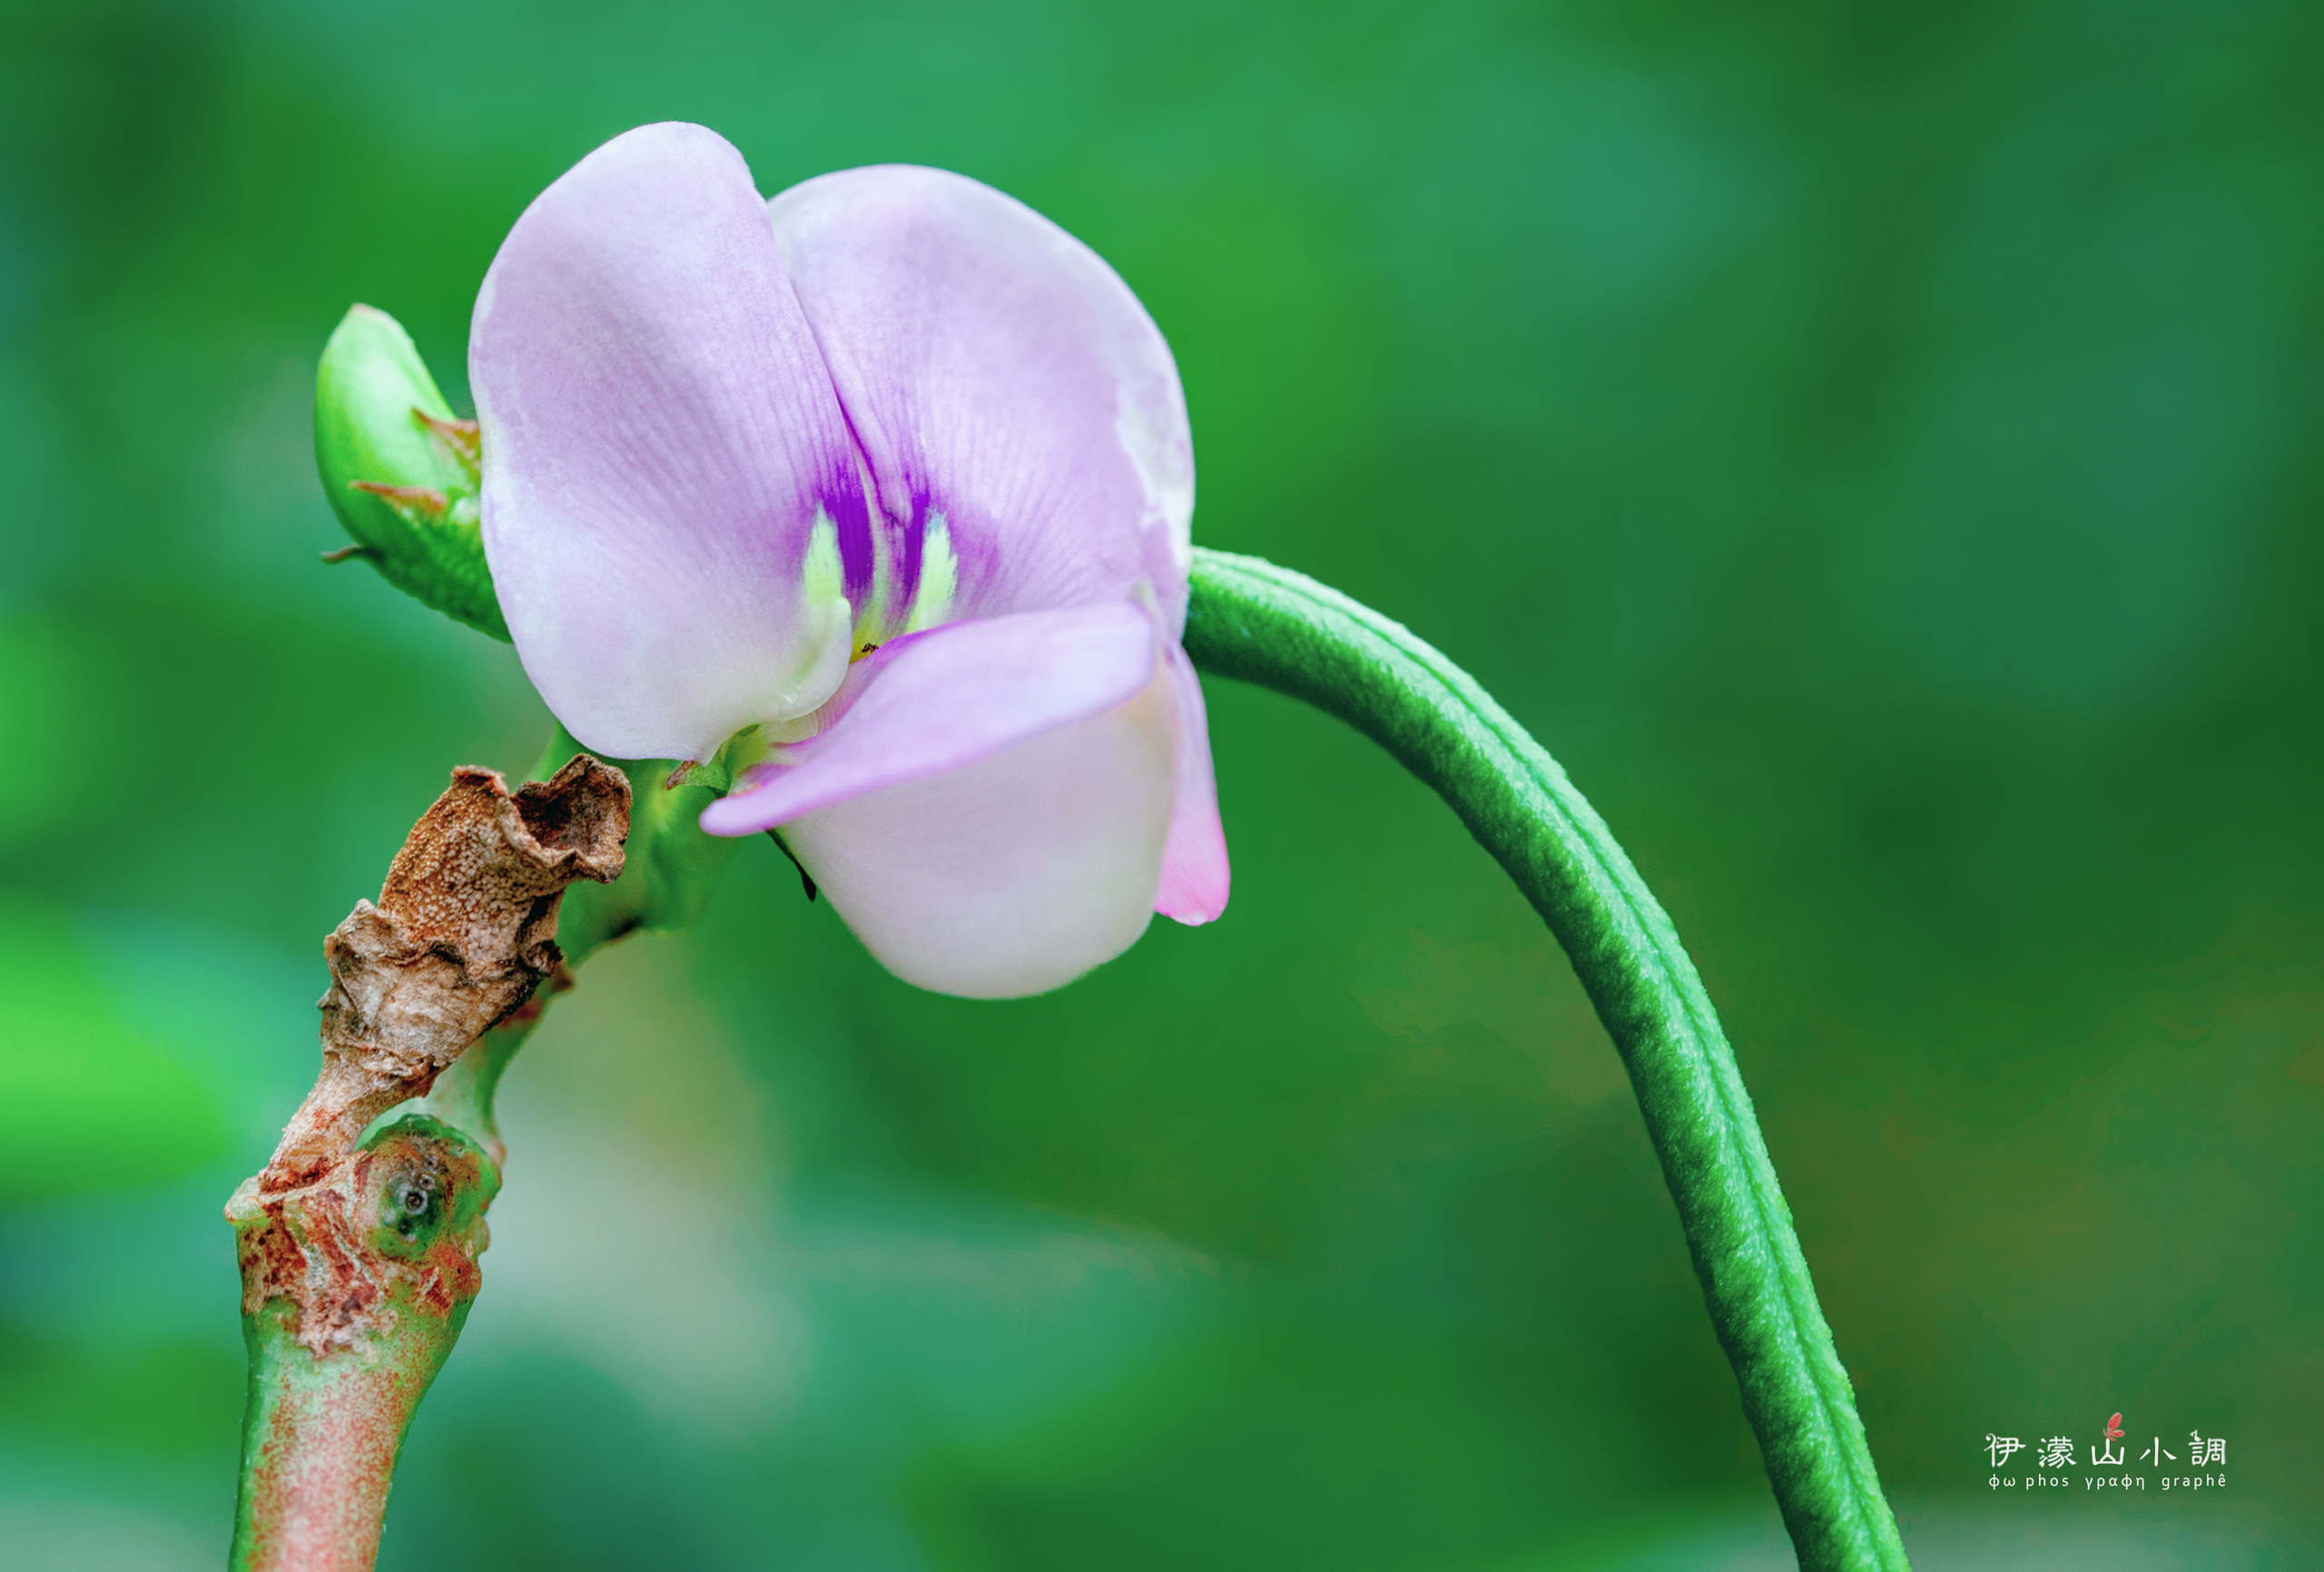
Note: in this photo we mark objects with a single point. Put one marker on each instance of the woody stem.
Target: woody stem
(359, 1264)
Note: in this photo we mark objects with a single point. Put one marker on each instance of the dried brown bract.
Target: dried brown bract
(464, 929)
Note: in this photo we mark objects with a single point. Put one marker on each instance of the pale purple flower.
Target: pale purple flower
(897, 472)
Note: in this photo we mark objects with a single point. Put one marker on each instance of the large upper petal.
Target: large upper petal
(659, 435)
(996, 372)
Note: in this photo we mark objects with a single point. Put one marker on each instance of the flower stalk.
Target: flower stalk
(1251, 619)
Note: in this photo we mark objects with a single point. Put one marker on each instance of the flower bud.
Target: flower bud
(401, 472)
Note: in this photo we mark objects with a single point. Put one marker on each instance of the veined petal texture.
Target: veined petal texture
(668, 479)
(997, 373)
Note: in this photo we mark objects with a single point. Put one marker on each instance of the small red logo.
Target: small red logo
(2113, 1427)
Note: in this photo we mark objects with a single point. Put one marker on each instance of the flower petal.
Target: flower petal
(995, 372)
(946, 698)
(1195, 875)
(1018, 872)
(660, 441)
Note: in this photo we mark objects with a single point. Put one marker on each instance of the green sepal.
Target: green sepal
(382, 422)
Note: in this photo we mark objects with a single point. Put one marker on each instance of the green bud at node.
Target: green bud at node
(403, 474)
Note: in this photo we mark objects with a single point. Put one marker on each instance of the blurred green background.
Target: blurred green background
(1875, 448)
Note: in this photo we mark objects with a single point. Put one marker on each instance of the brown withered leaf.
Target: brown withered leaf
(464, 930)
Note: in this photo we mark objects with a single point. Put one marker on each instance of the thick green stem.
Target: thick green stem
(1251, 619)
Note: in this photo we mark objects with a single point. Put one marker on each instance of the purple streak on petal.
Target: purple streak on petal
(911, 543)
(659, 431)
(1195, 875)
(991, 365)
(1016, 872)
(851, 514)
(946, 698)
